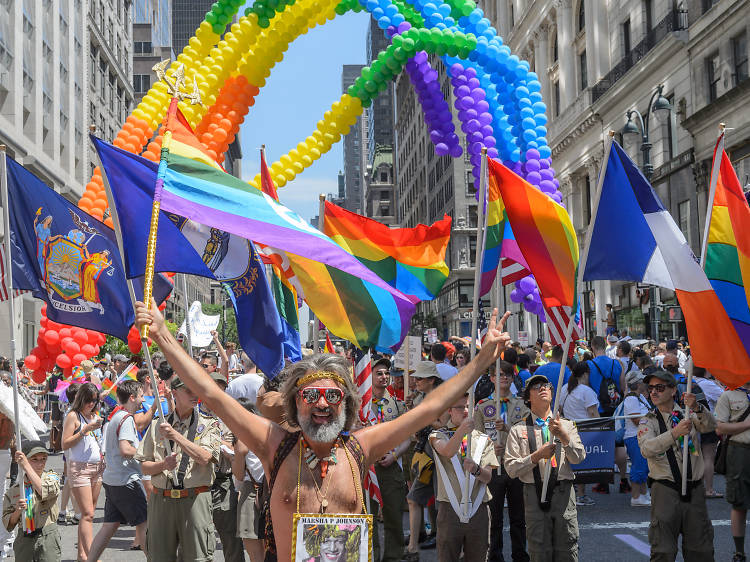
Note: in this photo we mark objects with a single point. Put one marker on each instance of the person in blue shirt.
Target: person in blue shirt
(551, 370)
(601, 367)
(523, 369)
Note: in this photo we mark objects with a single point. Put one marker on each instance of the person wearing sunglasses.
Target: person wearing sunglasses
(662, 434)
(318, 466)
(552, 524)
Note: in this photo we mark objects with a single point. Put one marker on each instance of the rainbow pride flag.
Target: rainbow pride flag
(129, 373)
(727, 264)
(411, 260)
(499, 239)
(544, 233)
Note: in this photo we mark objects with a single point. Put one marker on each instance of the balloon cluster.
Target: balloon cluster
(526, 292)
(61, 345)
(437, 112)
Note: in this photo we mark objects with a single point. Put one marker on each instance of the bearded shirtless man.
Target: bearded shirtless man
(322, 401)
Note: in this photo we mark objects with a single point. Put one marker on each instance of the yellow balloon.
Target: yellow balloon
(279, 180)
(307, 161)
(298, 167)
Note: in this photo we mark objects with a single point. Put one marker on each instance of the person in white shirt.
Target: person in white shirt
(579, 401)
(636, 403)
(611, 350)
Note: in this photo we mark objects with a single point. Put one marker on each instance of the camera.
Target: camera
(165, 371)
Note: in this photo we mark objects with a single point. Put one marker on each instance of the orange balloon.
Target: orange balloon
(130, 148)
(119, 142)
(109, 223)
(99, 204)
(220, 135)
(85, 202)
(97, 213)
(85, 208)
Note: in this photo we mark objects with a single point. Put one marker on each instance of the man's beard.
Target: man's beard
(323, 433)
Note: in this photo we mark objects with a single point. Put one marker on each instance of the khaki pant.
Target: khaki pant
(186, 522)
(671, 517)
(393, 490)
(43, 547)
(224, 498)
(473, 536)
(552, 535)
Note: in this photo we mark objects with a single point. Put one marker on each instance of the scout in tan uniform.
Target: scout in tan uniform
(733, 419)
(551, 526)
(37, 539)
(462, 524)
(388, 470)
(660, 436)
(495, 416)
(179, 510)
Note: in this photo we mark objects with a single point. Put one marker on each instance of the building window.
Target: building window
(683, 218)
(141, 83)
(626, 38)
(739, 56)
(142, 48)
(708, 4)
(713, 74)
(556, 88)
(554, 48)
(581, 16)
(648, 8)
(584, 74)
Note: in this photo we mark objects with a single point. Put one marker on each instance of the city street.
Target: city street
(611, 530)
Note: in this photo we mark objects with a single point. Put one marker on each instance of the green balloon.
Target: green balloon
(392, 63)
(263, 21)
(367, 73)
(352, 91)
(409, 45)
(216, 8)
(218, 29)
(371, 86)
(211, 18)
(400, 55)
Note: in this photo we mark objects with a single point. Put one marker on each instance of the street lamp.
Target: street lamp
(656, 105)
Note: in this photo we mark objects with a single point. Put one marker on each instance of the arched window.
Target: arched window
(581, 16)
(554, 46)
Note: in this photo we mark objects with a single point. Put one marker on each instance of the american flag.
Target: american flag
(3, 285)
(372, 486)
(512, 271)
(363, 380)
(558, 318)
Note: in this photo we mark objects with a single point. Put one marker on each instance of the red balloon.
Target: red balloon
(31, 362)
(54, 349)
(88, 350)
(43, 322)
(77, 358)
(39, 376)
(93, 337)
(67, 372)
(81, 337)
(134, 346)
(102, 339)
(65, 333)
(63, 361)
(51, 337)
(44, 309)
(72, 348)
(40, 352)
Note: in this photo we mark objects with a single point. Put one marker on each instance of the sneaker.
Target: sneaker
(584, 500)
(62, 519)
(601, 489)
(640, 501)
(625, 487)
(739, 557)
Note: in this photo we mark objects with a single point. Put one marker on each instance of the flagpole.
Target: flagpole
(715, 168)
(131, 291)
(479, 251)
(188, 335)
(321, 218)
(11, 313)
(579, 281)
(500, 303)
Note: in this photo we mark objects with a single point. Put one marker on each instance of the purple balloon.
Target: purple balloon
(456, 69)
(441, 149)
(431, 75)
(516, 296)
(436, 136)
(476, 147)
(472, 114)
(547, 186)
(485, 119)
(526, 284)
(420, 57)
(462, 91)
(472, 125)
(533, 178)
(456, 150)
(532, 154)
(531, 165)
(470, 73)
(490, 142)
(492, 152)
(557, 196)
(546, 174)
(475, 159)
(473, 83)
(486, 130)
(404, 26)
(482, 106)
(477, 95)
(468, 102)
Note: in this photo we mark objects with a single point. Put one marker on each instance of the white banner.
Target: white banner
(201, 326)
(414, 345)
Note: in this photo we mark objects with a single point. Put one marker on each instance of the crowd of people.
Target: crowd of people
(220, 452)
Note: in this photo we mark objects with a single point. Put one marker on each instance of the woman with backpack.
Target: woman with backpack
(636, 403)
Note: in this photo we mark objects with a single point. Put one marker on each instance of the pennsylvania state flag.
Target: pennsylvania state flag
(68, 258)
(186, 246)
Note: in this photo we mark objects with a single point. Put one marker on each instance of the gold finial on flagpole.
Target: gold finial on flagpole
(177, 82)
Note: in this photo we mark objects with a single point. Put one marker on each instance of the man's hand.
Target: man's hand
(496, 339)
(215, 335)
(21, 505)
(469, 465)
(500, 425)
(387, 460)
(170, 462)
(546, 451)
(682, 428)
(167, 431)
(557, 429)
(22, 461)
(466, 427)
(149, 317)
(690, 400)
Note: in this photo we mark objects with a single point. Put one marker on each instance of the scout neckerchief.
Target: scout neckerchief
(531, 425)
(672, 459)
(477, 448)
(544, 424)
(191, 436)
(29, 522)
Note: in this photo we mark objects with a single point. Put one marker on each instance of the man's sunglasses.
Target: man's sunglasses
(205, 365)
(312, 394)
(541, 386)
(657, 388)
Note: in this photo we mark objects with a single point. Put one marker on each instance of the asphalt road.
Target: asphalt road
(610, 530)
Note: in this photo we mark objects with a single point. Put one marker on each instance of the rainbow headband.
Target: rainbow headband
(319, 375)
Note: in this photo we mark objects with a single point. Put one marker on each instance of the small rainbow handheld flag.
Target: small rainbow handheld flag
(129, 373)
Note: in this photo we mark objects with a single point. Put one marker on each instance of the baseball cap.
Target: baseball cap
(217, 377)
(87, 366)
(425, 370)
(397, 372)
(381, 360)
(612, 339)
(120, 357)
(633, 377)
(532, 380)
(31, 448)
(662, 375)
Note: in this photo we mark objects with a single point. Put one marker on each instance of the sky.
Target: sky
(299, 90)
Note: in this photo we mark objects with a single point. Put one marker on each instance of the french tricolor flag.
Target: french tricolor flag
(634, 238)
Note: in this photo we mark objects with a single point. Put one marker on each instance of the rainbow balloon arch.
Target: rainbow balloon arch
(498, 98)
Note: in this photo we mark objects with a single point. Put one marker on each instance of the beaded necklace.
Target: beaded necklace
(312, 460)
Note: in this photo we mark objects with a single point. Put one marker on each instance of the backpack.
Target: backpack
(620, 421)
(695, 389)
(609, 395)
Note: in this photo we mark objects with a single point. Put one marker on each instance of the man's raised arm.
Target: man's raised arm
(381, 438)
(256, 432)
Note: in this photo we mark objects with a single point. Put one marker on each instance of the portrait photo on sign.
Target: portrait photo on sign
(331, 538)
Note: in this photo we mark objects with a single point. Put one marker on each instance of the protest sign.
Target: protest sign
(319, 536)
(201, 326)
(413, 345)
(598, 437)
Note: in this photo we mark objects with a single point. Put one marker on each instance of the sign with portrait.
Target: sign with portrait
(324, 537)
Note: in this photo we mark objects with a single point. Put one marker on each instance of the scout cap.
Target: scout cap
(120, 357)
(531, 382)
(381, 360)
(216, 376)
(663, 376)
(176, 383)
(425, 370)
(31, 448)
